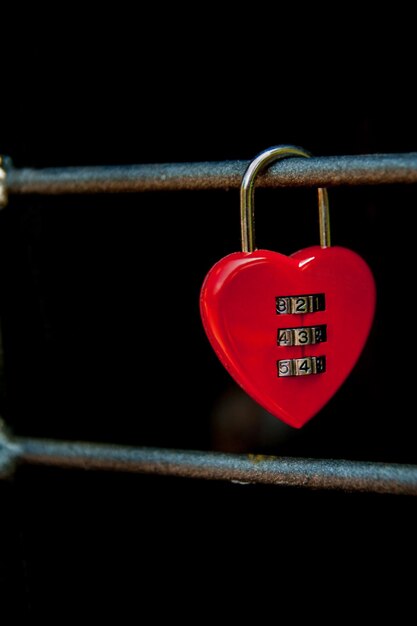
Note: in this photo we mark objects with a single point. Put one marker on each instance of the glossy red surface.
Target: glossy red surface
(238, 308)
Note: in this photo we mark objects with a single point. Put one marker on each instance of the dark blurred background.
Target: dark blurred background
(101, 331)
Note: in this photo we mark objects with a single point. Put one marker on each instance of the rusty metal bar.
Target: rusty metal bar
(375, 169)
(353, 476)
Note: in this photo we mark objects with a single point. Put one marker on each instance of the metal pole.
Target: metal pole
(376, 169)
(281, 471)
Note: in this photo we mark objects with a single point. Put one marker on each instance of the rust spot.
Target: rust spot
(258, 458)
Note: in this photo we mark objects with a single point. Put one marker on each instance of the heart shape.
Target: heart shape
(243, 307)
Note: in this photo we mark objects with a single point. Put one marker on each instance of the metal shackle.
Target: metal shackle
(247, 195)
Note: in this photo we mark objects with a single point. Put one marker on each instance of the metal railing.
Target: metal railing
(251, 468)
(294, 472)
(375, 169)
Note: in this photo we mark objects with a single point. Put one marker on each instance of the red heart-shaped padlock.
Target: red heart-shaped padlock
(240, 303)
(288, 329)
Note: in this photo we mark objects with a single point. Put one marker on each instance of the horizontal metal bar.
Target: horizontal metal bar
(332, 171)
(271, 470)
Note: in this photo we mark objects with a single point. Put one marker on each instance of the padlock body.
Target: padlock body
(289, 329)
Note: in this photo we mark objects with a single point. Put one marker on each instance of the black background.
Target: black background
(102, 336)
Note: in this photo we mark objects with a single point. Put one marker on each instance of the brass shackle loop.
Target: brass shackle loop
(247, 195)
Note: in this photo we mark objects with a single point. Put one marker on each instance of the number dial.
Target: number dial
(302, 367)
(302, 336)
(299, 305)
